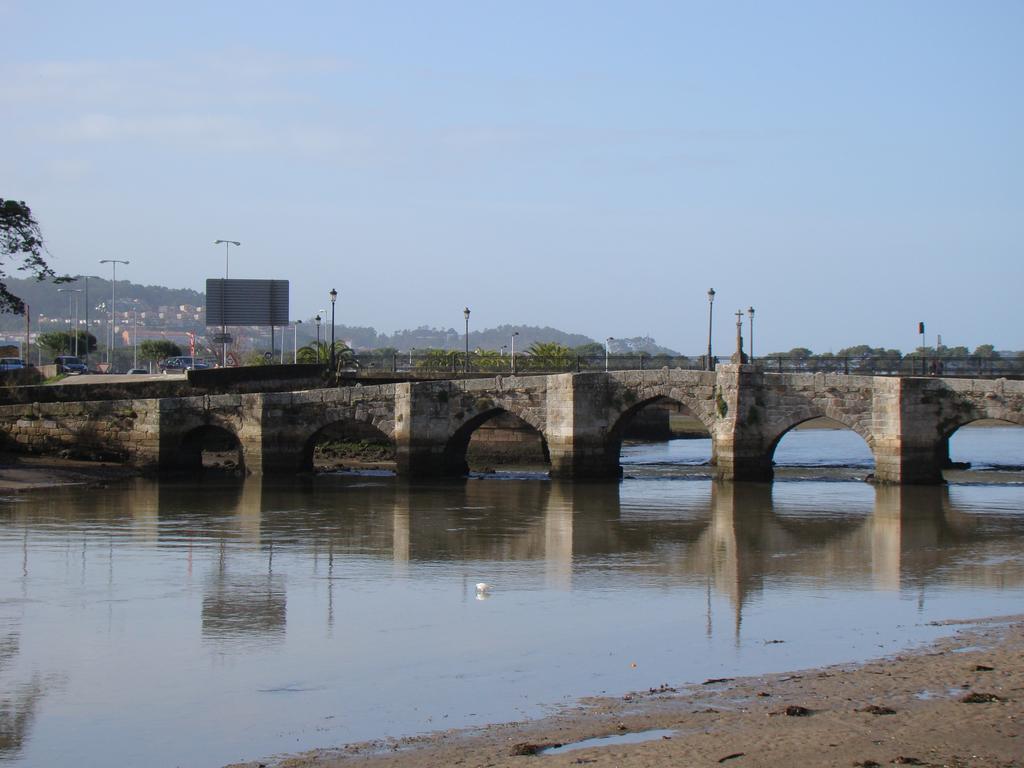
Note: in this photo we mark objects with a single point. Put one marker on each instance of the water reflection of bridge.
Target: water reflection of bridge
(736, 537)
(738, 540)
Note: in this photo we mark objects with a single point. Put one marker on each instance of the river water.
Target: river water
(207, 621)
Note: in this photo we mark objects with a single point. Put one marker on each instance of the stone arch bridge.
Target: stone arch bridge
(581, 417)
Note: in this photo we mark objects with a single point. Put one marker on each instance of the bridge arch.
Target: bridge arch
(194, 448)
(618, 428)
(986, 444)
(455, 461)
(368, 435)
(775, 437)
(996, 412)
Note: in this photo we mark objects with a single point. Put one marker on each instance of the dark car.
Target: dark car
(182, 363)
(69, 364)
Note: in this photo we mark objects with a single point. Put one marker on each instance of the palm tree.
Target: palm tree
(436, 360)
(550, 355)
(489, 360)
(344, 357)
(313, 353)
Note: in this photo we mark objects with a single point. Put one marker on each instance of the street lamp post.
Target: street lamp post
(135, 334)
(514, 334)
(465, 366)
(334, 298)
(295, 342)
(317, 321)
(607, 348)
(85, 358)
(411, 350)
(113, 282)
(224, 327)
(750, 314)
(72, 345)
(711, 304)
(227, 245)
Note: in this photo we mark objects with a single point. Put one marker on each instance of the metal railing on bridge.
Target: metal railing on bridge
(456, 363)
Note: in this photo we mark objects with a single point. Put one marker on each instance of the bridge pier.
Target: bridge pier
(739, 448)
(577, 433)
(912, 444)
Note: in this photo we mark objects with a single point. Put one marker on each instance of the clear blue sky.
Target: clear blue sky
(847, 168)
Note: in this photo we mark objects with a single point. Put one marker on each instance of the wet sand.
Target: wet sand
(957, 702)
(19, 473)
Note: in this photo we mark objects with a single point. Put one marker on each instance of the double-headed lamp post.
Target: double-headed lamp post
(750, 314)
(113, 281)
(334, 298)
(465, 367)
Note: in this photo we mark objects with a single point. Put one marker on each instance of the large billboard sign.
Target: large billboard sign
(246, 302)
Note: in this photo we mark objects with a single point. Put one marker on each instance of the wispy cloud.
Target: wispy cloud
(234, 100)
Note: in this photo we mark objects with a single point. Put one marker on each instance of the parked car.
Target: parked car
(11, 364)
(184, 363)
(69, 364)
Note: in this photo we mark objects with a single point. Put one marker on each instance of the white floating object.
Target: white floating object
(482, 587)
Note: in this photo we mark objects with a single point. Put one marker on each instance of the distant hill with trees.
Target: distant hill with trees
(43, 298)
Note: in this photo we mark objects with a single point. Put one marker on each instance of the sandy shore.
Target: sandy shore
(956, 703)
(19, 473)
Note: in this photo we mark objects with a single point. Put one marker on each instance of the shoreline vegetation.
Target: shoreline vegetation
(955, 702)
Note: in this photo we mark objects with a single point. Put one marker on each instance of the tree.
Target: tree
(550, 355)
(593, 349)
(985, 350)
(344, 357)
(436, 360)
(158, 349)
(313, 353)
(21, 237)
(63, 343)
(489, 360)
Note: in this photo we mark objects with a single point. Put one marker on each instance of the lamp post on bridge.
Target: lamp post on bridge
(334, 298)
(514, 334)
(465, 366)
(317, 321)
(711, 305)
(607, 351)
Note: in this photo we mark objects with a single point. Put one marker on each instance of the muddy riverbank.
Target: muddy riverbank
(957, 702)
